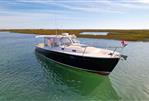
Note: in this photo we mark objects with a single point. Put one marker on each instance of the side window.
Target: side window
(50, 42)
(53, 42)
(56, 42)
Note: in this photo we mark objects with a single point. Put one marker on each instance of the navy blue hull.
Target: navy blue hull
(99, 65)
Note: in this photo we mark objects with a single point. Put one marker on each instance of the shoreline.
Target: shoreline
(128, 35)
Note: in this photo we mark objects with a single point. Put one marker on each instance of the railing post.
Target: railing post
(84, 50)
(114, 50)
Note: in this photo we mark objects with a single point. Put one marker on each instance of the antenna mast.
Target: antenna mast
(55, 23)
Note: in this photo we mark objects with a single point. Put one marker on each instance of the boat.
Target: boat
(65, 49)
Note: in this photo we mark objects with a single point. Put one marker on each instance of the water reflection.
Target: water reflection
(88, 85)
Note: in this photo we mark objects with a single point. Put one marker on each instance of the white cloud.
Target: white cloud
(70, 15)
(143, 1)
(87, 7)
(35, 1)
(105, 6)
(95, 6)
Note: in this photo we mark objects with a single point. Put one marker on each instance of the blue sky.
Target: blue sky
(74, 14)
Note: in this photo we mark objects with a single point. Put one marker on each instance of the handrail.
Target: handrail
(111, 47)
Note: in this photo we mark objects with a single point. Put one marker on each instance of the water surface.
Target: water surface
(95, 33)
(29, 76)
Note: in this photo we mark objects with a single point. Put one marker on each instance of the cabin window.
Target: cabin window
(56, 42)
(50, 42)
(53, 42)
(65, 41)
(75, 40)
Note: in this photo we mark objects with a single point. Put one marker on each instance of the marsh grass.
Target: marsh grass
(130, 35)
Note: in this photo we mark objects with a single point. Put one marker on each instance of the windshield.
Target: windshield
(51, 42)
(65, 41)
(75, 40)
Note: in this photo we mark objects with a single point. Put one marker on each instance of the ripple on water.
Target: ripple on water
(23, 77)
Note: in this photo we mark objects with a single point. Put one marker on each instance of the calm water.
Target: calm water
(28, 76)
(95, 33)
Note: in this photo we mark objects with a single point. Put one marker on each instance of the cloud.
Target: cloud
(136, 1)
(86, 6)
(35, 1)
(39, 12)
(105, 6)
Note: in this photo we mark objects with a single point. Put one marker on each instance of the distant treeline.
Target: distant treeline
(130, 35)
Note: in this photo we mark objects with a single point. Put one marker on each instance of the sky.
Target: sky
(74, 14)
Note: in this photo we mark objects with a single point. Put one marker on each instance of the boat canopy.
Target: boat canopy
(56, 40)
(44, 36)
(51, 36)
